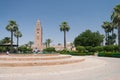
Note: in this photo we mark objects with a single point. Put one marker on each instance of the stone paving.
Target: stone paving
(39, 60)
(93, 68)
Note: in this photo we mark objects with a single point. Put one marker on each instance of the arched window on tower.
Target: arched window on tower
(37, 32)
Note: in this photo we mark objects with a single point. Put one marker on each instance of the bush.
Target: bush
(109, 48)
(109, 54)
(116, 48)
(81, 54)
(102, 54)
(90, 49)
(24, 49)
(98, 48)
(90, 53)
(80, 49)
(105, 54)
(3, 49)
(77, 53)
(49, 49)
(116, 55)
(64, 51)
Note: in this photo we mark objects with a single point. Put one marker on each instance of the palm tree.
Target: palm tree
(115, 17)
(113, 27)
(64, 27)
(12, 27)
(113, 35)
(17, 34)
(108, 28)
(48, 41)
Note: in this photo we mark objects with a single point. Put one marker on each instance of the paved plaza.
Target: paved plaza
(93, 68)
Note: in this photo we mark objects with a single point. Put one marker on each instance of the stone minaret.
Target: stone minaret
(38, 36)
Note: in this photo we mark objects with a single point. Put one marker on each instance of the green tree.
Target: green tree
(4, 44)
(6, 40)
(12, 27)
(115, 17)
(89, 38)
(64, 27)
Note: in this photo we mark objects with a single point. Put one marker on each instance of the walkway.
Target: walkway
(93, 68)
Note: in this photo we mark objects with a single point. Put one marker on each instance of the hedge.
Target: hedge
(109, 54)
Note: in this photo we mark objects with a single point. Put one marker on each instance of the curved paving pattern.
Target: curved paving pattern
(37, 60)
(93, 68)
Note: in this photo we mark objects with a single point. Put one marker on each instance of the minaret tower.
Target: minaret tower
(38, 36)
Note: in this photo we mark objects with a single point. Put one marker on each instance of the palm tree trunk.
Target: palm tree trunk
(64, 39)
(119, 35)
(112, 31)
(17, 43)
(11, 49)
(113, 39)
(48, 44)
(106, 38)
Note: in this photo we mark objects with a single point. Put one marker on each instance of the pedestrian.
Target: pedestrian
(7, 52)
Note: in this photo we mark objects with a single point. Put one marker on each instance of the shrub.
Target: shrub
(81, 54)
(108, 48)
(90, 53)
(116, 55)
(105, 54)
(24, 49)
(116, 48)
(77, 53)
(98, 48)
(90, 49)
(64, 51)
(109, 54)
(102, 54)
(2, 49)
(49, 49)
(80, 48)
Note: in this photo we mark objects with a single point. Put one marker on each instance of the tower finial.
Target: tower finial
(38, 20)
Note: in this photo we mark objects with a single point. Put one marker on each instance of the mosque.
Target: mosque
(38, 36)
(38, 44)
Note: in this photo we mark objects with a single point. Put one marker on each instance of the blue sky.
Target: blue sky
(80, 15)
